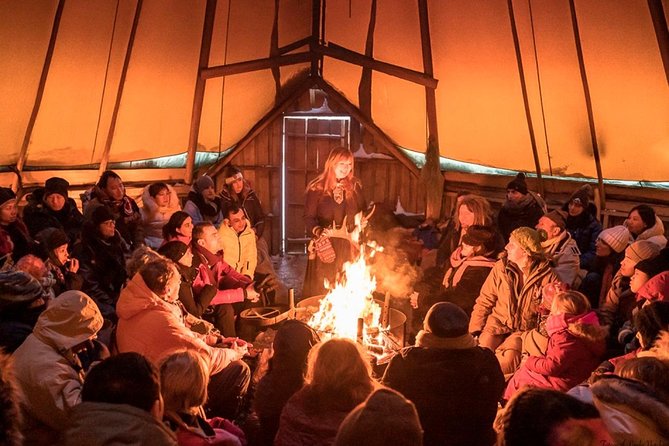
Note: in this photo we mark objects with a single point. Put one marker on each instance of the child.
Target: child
(575, 346)
(183, 383)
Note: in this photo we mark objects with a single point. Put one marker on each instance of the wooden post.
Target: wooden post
(661, 32)
(526, 102)
(23, 154)
(315, 36)
(198, 98)
(385, 312)
(119, 94)
(588, 103)
(365, 86)
(433, 180)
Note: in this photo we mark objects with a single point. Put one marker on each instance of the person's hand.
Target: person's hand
(73, 265)
(240, 346)
(413, 298)
(252, 295)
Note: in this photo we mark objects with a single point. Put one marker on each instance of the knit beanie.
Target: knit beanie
(529, 239)
(479, 235)
(174, 250)
(617, 237)
(518, 184)
(446, 320)
(18, 287)
(386, 417)
(641, 250)
(52, 238)
(652, 267)
(203, 183)
(56, 185)
(101, 214)
(559, 217)
(6, 194)
(582, 195)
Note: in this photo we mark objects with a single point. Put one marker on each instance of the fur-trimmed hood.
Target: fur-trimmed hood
(621, 399)
(654, 234)
(660, 348)
(150, 208)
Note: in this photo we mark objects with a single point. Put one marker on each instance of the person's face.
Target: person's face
(186, 228)
(187, 259)
(238, 221)
(115, 189)
(342, 169)
(516, 253)
(465, 217)
(575, 208)
(237, 184)
(513, 195)
(466, 250)
(107, 228)
(548, 225)
(634, 223)
(61, 254)
(627, 267)
(8, 212)
(163, 198)
(639, 279)
(55, 202)
(210, 240)
(209, 193)
(602, 249)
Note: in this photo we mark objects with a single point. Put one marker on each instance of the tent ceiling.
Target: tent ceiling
(479, 99)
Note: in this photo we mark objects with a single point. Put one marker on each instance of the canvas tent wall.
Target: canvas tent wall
(84, 83)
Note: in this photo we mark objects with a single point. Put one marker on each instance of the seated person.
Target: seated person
(52, 362)
(178, 227)
(150, 323)
(583, 225)
(109, 192)
(202, 203)
(22, 300)
(15, 242)
(233, 288)
(237, 192)
(62, 268)
(121, 404)
(183, 380)
(51, 207)
(159, 203)
(522, 207)
(644, 224)
(560, 247)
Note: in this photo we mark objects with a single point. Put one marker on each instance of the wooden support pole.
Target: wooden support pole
(526, 102)
(338, 52)
(23, 154)
(295, 45)
(316, 12)
(433, 180)
(254, 65)
(661, 32)
(274, 52)
(378, 135)
(365, 86)
(198, 99)
(119, 94)
(588, 103)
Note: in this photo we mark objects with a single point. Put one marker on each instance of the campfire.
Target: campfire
(349, 309)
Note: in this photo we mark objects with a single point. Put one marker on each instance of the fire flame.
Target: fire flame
(351, 297)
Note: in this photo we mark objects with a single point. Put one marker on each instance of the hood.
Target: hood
(657, 230)
(660, 348)
(553, 245)
(151, 207)
(135, 298)
(634, 396)
(657, 288)
(70, 319)
(587, 326)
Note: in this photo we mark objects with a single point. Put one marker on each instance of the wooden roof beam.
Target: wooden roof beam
(338, 52)
(255, 65)
(661, 32)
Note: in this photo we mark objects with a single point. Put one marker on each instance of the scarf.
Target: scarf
(427, 339)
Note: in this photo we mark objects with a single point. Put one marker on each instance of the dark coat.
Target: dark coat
(455, 392)
(15, 242)
(126, 215)
(513, 216)
(102, 267)
(248, 201)
(194, 302)
(585, 229)
(38, 216)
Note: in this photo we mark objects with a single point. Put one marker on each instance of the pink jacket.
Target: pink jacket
(657, 288)
(155, 328)
(574, 350)
(213, 270)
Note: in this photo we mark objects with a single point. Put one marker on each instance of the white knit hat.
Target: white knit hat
(642, 250)
(617, 237)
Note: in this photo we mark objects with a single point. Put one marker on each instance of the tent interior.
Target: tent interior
(568, 91)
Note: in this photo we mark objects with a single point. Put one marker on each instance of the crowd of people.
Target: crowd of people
(119, 324)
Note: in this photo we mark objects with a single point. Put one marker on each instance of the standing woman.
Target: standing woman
(332, 199)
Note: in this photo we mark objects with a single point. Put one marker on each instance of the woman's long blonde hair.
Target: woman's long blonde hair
(477, 205)
(338, 373)
(183, 382)
(326, 180)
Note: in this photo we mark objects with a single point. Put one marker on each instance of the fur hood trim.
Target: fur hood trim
(634, 396)
(10, 414)
(150, 207)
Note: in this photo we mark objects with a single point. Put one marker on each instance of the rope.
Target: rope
(104, 85)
